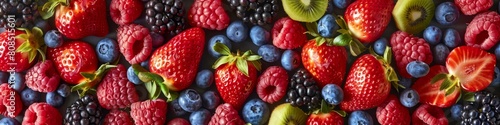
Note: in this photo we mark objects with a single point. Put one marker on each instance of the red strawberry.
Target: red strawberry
(208, 14)
(10, 101)
(118, 117)
(178, 121)
(71, 58)
(42, 113)
(272, 84)
(288, 34)
(326, 63)
(149, 112)
(235, 75)
(473, 67)
(225, 114)
(43, 77)
(367, 19)
(135, 42)
(17, 52)
(407, 48)
(78, 18)
(115, 91)
(430, 94)
(125, 11)
(391, 112)
(429, 115)
(483, 31)
(471, 7)
(331, 118)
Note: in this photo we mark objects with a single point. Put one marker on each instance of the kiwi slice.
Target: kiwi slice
(413, 16)
(305, 10)
(286, 114)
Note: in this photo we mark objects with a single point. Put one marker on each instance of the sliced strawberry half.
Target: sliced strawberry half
(473, 67)
(430, 93)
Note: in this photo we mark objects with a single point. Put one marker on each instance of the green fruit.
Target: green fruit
(413, 16)
(286, 114)
(305, 10)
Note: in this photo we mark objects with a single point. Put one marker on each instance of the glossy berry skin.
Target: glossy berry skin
(64, 90)
(472, 7)
(53, 38)
(331, 118)
(409, 98)
(21, 59)
(333, 94)
(342, 4)
(158, 39)
(456, 111)
(447, 13)
(125, 11)
(200, 117)
(259, 35)
(54, 99)
(368, 19)
(217, 39)
(237, 31)
(178, 121)
(327, 64)
(204, 79)
(432, 35)
(483, 31)
(107, 50)
(9, 121)
(417, 69)
(175, 108)
(461, 64)
(72, 58)
(208, 14)
(210, 100)
(429, 115)
(380, 45)
(391, 112)
(440, 53)
(288, 34)
(430, 93)
(272, 85)
(290, 60)
(132, 77)
(452, 38)
(225, 114)
(256, 112)
(234, 86)
(190, 100)
(360, 117)
(269, 53)
(19, 81)
(74, 21)
(327, 27)
(29, 96)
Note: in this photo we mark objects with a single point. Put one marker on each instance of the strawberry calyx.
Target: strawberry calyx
(327, 108)
(48, 9)
(33, 43)
(154, 83)
(241, 60)
(91, 79)
(390, 73)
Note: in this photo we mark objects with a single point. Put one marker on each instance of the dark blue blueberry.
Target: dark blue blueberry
(290, 60)
(145, 64)
(176, 108)
(496, 78)
(204, 78)
(9, 121)
(158, 39)
(433, 34)
(200, 117)
(218, 39)
(28, 96)
(269, 53)
(380, 45)
(259, 35)
(132, 77)
(237, 31)
(190, 100)
(64, 90)
(255, 112)
(42, 24)
(54, 99)
(441, 52)
(18, 80)
(447, 13)
(211, 100)
(497, 52)
(409, 98)
(4, 77)
(452, 38)
(342, 4)
(107, 50)
(53, 39)
(327, 27)
(360, 118)
(332, 94)
(406, 82)
(417, 69)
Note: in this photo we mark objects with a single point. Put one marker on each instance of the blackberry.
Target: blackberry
(84, 111)
(485, 110)
(25, 12)
(303, 91)
(165, 16)
(257, 12)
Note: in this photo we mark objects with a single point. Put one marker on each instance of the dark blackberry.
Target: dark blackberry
(165, 16)
(84, 111)
(303, 91)
(485, 110)
(257, 12)
(25, 12)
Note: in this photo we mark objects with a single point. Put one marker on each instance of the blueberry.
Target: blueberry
(360, 118)
(406, 82)
(496, 80)
(259, 35)
(237, 31)
(28, 96)
(497, 52)
(441, 52)
(380, 45)
(200, 117)
(18, 80)
(327, 27)
(417, 69)
(342, 4)
(204, 78)
(54, 99)
(63, 90)
(452, 38)
(158, 39)
(255, 112)
(455, 111)
(107, 50)
(132, 77)
(4, 77)
(9, 121)
(432, 35)
(332, 94)
(290, 60)
(190, 100)
(42, 24)
(218, 39)
(53, 39)
(176, 108)
(145, 64)
(409, 98)
(269, 53)
(447, 13)
(211, 100)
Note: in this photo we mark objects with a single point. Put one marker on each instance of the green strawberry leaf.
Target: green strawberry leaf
(32, 55)
(342, 40)
(343, 31)
(41, 51)
(48, 9)
(223, 60)
(23, 36)
(446, 84)
(24, 47)
(38, 33)
(222, 49)
(138, 68)
(242, 65)
(88, 75)
(312, 27)
(341, 112)
(438, 77)
(257, 65)
(253, 58)
(148, 76)
(341, 22)
(451, 90)
(388, 55)
(468, 96)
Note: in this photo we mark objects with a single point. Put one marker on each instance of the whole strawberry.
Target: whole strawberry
(11, 107)
(326, 63)
(391, 112)
(115, 91)
(288, 34)
(472, 7)
(225, 114)
(483, 31)
(43, 77)
(235, 75)
(118, 117)
(135, 42)
(407, 48)
(326, 116)
(27, 44)
(149, 112)
(208, 14)
(368, 19)
(42, 113)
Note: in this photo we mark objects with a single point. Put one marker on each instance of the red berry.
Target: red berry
(118, 117)
(429, 115)
(125, 11)
(272, 84)
(10, 106)
(149, 112)
(135, 42)
(42, 113)
(208, 14)
(288, 34)
(43, 77)
(407, 48)
(115, 91)
(471, 7)
(483, 31)
(387, 111)
(225, 114)
(178, 121)
(331, 118)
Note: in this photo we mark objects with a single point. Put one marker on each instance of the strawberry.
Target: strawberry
(407, 48)
(471, 68)
(115, 91)
(11, 104)
(135, 42)
(149, 112)
(208, 14)
(19, 49)
(326, 63)
(272, 84)
(42, 113)
(471, 7)
(118, 117)
(429, 115)
(235, 75)
(331, 118)
(288, 34)
(225, 114)
(43, 77)
(368, 19)
(391, 112)
(483, 31)
(78, 18)
(430, 94)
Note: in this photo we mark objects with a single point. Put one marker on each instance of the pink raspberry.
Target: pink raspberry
(43, 77)
(483, 31)
(407, 48)
(288, 34)
(118, 117)
(125, 11)
(135, 42)
(149, 112)
(471, 7)
(42, 113)
(272, 84)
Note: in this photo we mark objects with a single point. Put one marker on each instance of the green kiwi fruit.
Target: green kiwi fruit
(305, 10)
(286, 114)
(413, 16)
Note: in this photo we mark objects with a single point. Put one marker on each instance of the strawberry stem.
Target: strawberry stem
(48, 9)
(240, 60)
(91, 79)
(154, 83)
(33, 43)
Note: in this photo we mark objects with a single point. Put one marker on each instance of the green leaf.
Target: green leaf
(451, 90)
(88, 75)
(388, 55)
(48, 9)
(42, 53)
(438, 77)
(138, 68)
(154, 91)
(24, 47)
(172, 96)
(149, 88)
(32, 56)
(341, 22)
(321, 41)
(164, 89)
(324, 107)
(223, 60)
(342, 40)
(312, 27)
(222, 49)
(253, 58)
(257, 65)
(343, 31)
(242, 65)
(341, 113)
(22, 36)
(446, 84)
(468, 96)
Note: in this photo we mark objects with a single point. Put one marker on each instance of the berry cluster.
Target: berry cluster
(165, 16)
(25, 12)
(484, 110)
(84, 111)
(257, 12)
(303, 91)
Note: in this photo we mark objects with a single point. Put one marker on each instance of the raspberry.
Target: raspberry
(483, 31)
(149, 112)
(178, 121)
(225, 114)
(43, 77)
(387, 111)
(288, 34)
(471, 7)
(429, 115)
(125, 11)
(115, 91)
(272, 84)
(135, 43)
(42, 113)
(208, 14)
(6, 107)
(407, 48)
(118, 117)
